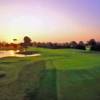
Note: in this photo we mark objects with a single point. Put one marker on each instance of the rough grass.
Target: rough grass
(63, 74)
(26, 78)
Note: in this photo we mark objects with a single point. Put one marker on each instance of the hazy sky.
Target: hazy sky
(50, 20)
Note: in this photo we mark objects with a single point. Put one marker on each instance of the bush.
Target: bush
(2, 74)
(96, 47)
(27, 52)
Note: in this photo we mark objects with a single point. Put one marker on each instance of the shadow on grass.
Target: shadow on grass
(27, 80)
(36, 82)
(67, 85)
(79, 84)
(46, 89)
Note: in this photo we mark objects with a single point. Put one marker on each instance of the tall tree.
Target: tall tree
(73, 44)
(92, 43)
(81, 45)
(27, 42)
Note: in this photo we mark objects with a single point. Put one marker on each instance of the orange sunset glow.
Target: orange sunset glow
(48, 20)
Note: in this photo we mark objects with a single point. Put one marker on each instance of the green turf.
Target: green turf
(63, 74)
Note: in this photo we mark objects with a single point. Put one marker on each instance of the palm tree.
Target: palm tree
(15, 45)
(14, 39)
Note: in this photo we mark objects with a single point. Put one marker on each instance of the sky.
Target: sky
(50, 20)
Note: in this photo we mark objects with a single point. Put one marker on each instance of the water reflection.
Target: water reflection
(12, 53)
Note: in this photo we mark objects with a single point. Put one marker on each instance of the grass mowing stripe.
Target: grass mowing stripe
(48, 88)
(68, 74)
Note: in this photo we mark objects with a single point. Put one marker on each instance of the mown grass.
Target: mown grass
(27, 77)
(63, 74)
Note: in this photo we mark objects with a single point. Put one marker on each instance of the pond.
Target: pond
(12, 53)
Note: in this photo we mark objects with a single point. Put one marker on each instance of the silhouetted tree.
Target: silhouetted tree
(92, 44)
(14, 39)
(27, 42)
(73, 44)
(81, 45)
(67, 45)
(97, 47)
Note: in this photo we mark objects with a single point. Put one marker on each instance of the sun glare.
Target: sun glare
(37, 26)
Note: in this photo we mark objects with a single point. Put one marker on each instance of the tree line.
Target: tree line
(92, 44)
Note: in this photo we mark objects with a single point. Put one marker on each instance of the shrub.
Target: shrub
(2, 74)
